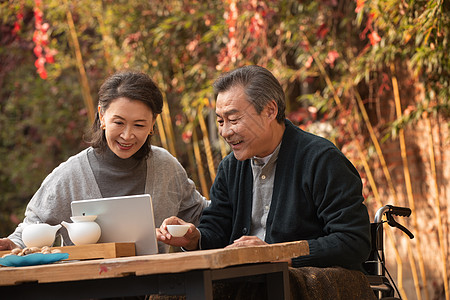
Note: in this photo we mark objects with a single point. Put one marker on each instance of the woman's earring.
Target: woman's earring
(151, 132)
(103, 127)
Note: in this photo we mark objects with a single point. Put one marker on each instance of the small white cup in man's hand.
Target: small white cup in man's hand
(177, 230)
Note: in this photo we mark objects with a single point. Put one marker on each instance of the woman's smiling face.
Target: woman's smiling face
(127, 124)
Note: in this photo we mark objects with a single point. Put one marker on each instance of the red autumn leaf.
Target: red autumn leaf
(38, 16)
(186, 136)
(309, 62)
(36, 37)
(16, 28)
(322, 31)
(44, 39)
(39, 63)
(42, 73)
(331, 57)
(45, 27)
(49, 58)
(37, 50)
(374, 38)
(359, 5)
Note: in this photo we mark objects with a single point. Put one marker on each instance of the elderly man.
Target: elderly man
(279, 184)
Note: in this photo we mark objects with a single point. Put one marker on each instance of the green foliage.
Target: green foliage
(416, 32)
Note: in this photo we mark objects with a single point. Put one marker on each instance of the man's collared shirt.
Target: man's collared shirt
(263, 177)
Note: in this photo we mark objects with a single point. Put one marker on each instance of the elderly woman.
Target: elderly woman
(121, 161)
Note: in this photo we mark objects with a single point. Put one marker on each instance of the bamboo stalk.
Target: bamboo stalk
(209, 156)
(377, 146)
(437, 205)
(222, 144)
(399, 262)
(408, 180)
(161, 132)
(198, 158)
(168, 126)
(85, 90)
(166, 119)
(106, 38)
(415, 275)
(190, 153)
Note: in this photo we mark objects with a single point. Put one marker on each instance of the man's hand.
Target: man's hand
(245, 241)
(189, 241)
(7, 244)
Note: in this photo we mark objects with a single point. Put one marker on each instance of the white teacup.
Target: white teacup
(177, 230)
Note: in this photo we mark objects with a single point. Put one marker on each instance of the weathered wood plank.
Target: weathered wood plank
(152, 264)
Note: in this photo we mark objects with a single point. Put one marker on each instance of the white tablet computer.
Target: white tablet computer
(123, 219)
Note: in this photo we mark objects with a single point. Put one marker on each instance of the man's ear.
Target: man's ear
(272, 110)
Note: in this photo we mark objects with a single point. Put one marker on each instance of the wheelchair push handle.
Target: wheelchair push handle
(390, 211)
(400, 211)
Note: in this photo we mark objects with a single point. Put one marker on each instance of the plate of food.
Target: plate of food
(31, 259)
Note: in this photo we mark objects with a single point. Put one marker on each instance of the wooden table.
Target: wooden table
(188, 273)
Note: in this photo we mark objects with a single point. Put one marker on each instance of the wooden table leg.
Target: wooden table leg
(278, 285)
(198, 285)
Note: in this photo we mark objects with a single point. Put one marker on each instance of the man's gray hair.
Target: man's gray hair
(259, 85)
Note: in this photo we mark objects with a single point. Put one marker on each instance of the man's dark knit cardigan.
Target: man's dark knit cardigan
(317, 196)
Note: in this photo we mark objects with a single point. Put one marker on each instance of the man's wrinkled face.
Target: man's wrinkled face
(246, 131)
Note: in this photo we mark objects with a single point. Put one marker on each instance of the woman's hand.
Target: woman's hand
(246, 241)
(189, 241)
(7, 244)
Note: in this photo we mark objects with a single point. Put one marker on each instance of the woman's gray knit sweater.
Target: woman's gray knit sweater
(173, 193)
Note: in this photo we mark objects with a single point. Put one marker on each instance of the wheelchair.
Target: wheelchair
(383, 287)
